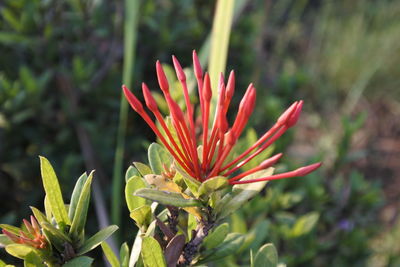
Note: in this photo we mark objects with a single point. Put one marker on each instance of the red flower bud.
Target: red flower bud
(286, 115)
(135, 103)
(197, 67)
(307, 169)
(207, 93)
(149, 99)
(294, 117)
(178, 69)
(162, 79)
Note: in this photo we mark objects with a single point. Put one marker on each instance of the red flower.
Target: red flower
(218, 140)
(31, 237)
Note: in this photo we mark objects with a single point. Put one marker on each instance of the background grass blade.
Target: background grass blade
(130, 34)
(219, 41)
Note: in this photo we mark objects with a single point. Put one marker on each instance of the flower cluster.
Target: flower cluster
(31, 237)
(219, 139)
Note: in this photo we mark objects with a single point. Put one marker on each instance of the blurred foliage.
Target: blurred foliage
(60, 74)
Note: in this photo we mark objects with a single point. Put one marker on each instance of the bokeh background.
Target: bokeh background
(61, 65)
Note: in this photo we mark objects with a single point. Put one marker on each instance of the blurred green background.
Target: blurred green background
(61, 65)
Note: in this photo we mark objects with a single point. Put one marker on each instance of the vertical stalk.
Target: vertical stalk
(219, 42)
(130, 34)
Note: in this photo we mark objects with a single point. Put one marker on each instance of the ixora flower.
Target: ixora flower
(218, 140)
(32, 236)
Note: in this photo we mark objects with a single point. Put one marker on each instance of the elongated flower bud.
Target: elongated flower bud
(207, 93)
(294, 117)
(149, 99)
(178, 69)
(162, 79)
(197, 67)
(135, 103)
(286, 115)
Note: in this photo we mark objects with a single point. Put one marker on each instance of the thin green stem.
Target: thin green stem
(130, 35)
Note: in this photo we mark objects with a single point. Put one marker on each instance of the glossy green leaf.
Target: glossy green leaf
(231, 244)
(167, 198)
(158, 157)
(40, 217)
(110, 256)
(82, 261)
(304, 224)
(53, 192)
(213, 184)
(96, 239)
(142, 168)
(19, 250)
(142, 215)
(76, 194)
(79, 221)
(266, 256)
(130, 172)
(152, 253)
(32, 259)
(217, 236)
(124, 255)
(134, 183)
(241, 193)
(47, 208)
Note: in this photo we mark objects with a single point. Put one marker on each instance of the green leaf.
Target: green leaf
(142, 168)
(57, 233)
(4, 240)
(76, 194)
(152, 253)
(213, 184)
(19, 250)
(10, 228)
(124, 255)
(47, 208)
(158, 157)
(167, 198)
(79, 221)
(111, 257)
(217, 236)
(134, 183)
(266, 256)
(96, 239)
(53, 192)
(190, 182)
(304, 224)
(40, 217)
(231, 244)
(130, 172)
(241, 193)
(82, 261)
(33, 260)
(141, 215)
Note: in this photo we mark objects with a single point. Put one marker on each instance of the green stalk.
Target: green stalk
(130, 34)
(219, 42)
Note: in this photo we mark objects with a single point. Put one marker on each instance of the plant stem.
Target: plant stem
(130, 34)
